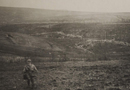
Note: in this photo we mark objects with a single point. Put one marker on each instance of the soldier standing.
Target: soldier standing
(29, 73)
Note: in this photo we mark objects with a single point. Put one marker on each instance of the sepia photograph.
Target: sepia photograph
(64, 44)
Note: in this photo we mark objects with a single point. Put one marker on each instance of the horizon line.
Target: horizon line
(64, 10)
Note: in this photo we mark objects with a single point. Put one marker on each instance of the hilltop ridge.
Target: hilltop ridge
(30, 15)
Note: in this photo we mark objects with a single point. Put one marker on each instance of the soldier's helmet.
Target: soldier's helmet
(29, 60)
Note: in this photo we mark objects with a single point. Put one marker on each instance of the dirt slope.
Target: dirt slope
(16, 43)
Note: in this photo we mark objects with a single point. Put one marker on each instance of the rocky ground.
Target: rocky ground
(79, 75)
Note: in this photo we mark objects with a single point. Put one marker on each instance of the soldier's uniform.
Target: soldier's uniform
(30, 73)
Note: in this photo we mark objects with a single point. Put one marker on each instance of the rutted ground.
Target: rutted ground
(80, 75)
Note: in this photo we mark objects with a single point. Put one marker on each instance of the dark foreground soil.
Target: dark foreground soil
(80, 75)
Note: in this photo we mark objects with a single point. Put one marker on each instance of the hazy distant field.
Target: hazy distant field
(68, 40)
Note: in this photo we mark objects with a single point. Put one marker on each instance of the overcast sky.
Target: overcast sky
(73, 5)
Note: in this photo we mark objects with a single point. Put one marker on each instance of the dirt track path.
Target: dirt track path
(93, 63)
(85, 63)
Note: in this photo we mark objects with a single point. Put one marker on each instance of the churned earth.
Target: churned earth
(69, 75)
